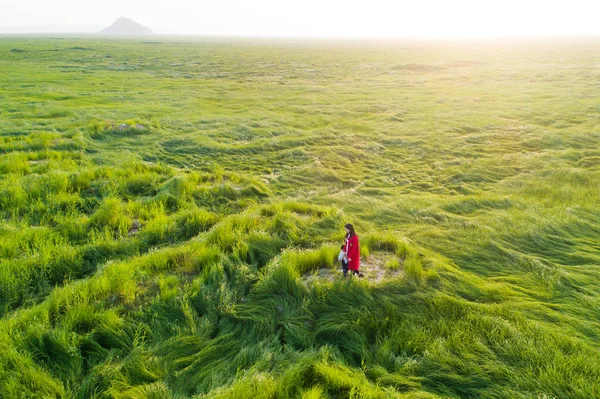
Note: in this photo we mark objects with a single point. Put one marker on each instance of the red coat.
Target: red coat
(353, 252)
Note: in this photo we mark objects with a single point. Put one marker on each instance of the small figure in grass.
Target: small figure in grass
(350, 254)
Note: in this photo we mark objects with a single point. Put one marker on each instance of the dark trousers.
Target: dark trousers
(345, 268)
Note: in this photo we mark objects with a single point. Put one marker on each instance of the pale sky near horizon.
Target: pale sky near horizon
(338, 18)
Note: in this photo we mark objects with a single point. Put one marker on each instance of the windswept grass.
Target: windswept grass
(162, 205)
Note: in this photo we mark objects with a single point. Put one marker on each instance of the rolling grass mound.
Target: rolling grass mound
(171, 214)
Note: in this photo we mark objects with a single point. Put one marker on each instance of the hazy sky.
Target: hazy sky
(372, 18)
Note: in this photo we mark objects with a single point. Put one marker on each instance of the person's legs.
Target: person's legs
(345, 268)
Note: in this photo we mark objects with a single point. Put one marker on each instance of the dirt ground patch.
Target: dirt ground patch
(135, 228)
(376, 267)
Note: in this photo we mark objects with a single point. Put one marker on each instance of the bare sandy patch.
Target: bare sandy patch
(376, 268)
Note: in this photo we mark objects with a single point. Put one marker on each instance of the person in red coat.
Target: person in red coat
(351, 248)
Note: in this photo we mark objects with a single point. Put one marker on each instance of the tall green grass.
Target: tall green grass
(171, 260)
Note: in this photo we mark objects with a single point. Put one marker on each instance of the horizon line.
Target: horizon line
(342, 37)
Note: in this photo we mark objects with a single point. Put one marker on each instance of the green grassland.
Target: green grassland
(168, 258)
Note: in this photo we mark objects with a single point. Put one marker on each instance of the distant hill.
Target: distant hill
(127, 26)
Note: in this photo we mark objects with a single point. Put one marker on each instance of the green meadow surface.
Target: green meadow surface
(171, 259)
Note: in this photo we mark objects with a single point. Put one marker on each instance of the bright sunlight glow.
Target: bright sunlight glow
(338, 18)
